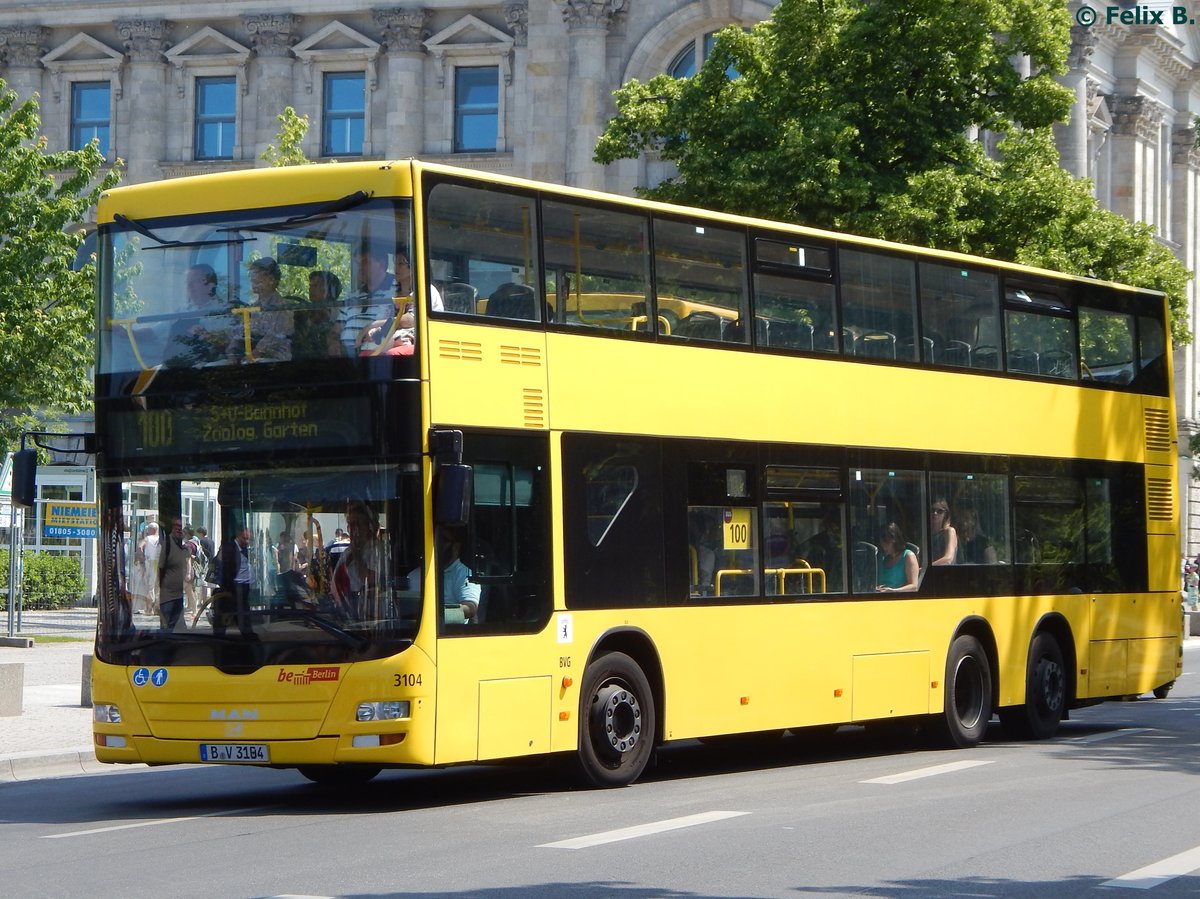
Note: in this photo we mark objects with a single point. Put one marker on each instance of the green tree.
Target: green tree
(860, 116)
(47, 307)
(292, 129)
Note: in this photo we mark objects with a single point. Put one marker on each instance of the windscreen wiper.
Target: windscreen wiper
(325, 624)
(165, 243)
(348, 202)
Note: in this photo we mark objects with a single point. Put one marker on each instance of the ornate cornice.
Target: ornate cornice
(144, 40)
(23, 46)
(516, 16)
(403, 29)
(1083, 44)
(1138, 117)
(589, 14)
(272, 34)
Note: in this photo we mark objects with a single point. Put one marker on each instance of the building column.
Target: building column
(588, 91)
(23, 48)
(517, 109)
(1072, 137)
(404, 124)
(271, 37)
(142, 111)
(1135, 136)
(1185, 216)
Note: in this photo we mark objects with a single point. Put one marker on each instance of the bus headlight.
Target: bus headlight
(388, 710)
(106, 714)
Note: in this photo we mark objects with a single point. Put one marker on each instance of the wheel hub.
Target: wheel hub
(618, 718)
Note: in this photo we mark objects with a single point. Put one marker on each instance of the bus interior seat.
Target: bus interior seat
(985, 356)
(699, 326)
(512, 300)
(1025, 361)
(459, 297)
(866, 567)
(1059, 364)
(956, 352)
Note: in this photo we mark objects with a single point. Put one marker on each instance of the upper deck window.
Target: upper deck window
(277, 285)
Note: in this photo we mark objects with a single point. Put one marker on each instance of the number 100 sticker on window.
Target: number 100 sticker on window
(737, 528)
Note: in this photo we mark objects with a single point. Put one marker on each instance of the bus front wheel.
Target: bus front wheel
(1045, 693)
(616, 721)
(968, 692)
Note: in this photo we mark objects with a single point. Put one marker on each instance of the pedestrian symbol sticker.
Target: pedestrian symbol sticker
(159, 677)
(141, 676)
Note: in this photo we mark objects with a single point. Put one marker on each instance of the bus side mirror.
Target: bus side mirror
(24, 477)
(453, 496)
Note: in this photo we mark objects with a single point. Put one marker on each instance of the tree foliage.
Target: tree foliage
(292, 129)
(47, 307)
(862, 116)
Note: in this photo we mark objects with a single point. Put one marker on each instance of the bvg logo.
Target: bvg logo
(311, 675)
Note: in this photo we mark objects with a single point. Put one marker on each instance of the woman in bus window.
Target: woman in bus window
(898, 568)
(943, 538)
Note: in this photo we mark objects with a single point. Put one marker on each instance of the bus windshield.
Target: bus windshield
(259, 567)
(296, 283)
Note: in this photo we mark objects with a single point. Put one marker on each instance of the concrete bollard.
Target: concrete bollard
(12, 689)
(85, 683)
(1193, 628)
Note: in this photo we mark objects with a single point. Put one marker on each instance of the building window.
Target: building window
(216, 117)
(90, 114)
(476, 108)
(692, 56)
(345, 114)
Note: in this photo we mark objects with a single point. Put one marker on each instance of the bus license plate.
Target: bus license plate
(234, 752)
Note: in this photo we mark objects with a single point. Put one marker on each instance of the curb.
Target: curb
(23, 766)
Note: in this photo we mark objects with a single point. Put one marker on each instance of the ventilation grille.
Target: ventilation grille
(1158, 431)
(1160, 501)
(520, 355)
(465, 350)
(533, 405)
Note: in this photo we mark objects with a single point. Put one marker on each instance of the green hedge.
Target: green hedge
(51, 581)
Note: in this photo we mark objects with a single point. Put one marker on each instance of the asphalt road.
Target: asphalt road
(1111, 805)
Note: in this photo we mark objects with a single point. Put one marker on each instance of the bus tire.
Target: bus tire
(1045, 693)
(1164, 691)
(967, 707)
(616, 721)
(339, 775)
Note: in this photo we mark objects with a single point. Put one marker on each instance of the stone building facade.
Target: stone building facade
(1133, 131)
(524, 87)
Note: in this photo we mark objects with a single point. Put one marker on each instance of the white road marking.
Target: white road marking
(1113, 735)
(926, 772)
(1159, 872)
(154, 823)
(641, 830)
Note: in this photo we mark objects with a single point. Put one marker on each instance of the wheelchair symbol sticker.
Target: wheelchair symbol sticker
(141, 676)
(159, 677)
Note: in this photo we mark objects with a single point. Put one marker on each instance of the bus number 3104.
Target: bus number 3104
(406, 680)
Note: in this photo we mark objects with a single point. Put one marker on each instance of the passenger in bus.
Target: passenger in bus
(271, 328)
(231, 599)
(824, 549)
(381, 299)
(359, 572)
(898, 569)
(315, 336)
(199, 337)
(976, 547)
(943, 538)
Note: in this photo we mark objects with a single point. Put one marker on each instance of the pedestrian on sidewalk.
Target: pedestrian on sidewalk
(175, 562)
(143, 579)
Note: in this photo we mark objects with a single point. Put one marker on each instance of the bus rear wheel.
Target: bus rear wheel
(968, 691)
(616, 721)
(1045, 693)
(339, 775)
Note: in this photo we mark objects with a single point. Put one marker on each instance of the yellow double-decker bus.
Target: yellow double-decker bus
(610, 474)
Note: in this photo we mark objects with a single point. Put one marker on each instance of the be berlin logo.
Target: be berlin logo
(1087, 16)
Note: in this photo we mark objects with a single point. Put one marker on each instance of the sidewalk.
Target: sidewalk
(53, 734)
